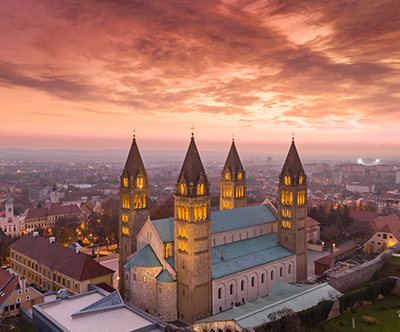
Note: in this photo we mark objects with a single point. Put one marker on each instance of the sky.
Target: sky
(85, 74)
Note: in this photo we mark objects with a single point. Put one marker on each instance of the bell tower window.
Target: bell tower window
(300, 180)
(139, 182)
(227, 176)
(239, 176)
(125, 182)
(287, 180)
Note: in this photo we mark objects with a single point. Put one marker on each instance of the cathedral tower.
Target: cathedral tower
(233, 182)
(292, 210)
(192, 237)
(134, 193)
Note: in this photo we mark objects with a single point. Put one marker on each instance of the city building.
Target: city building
(16, 293)
(47, 216)
(51, 266)
(327, 262)
(40, 194)
(11, 224)
(95, 310)
(199, 262)
(361, 188)
(313, 230)
(387, 235)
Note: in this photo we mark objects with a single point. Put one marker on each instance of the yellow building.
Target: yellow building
(51, 266)
(16, 293)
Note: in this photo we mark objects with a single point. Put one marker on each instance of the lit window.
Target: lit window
(239, 176)
(125, 182)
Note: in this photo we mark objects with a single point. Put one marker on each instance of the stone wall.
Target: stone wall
(359, 274)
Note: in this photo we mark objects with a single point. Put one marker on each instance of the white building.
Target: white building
(360, 187)
(10, 223)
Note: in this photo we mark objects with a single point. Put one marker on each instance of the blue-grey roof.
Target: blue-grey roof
(171, 261)
(165, 229)
(246, 254)
(282, 295)
(228, 220)
(165, 276)
(145, 258)
(222, 221)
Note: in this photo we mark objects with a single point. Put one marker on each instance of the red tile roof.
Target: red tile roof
(311, 222)
(392, 228)
(62, 259)
(381, 222)
(51, 209)
(8, 283)
(363, 215)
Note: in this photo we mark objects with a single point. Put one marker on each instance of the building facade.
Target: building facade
(11, 224)
(51, 266)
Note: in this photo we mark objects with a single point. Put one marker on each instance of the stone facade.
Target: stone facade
(166, 300)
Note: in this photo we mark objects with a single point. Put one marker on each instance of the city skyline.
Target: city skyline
(83, 75)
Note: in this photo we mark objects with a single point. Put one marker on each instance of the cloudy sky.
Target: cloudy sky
(82, 74)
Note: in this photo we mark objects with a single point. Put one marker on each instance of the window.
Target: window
(69, 284)
(272, 275)
(27, 297)
(18, 300)
(63, 281)
(159, 290)
(252, 282)
(280, 272)
(219, 293)
(144, 279)
(76, 287)
(289, 268)
(242, 285)
(134, 277)
(231, 289)
(262, 278)
(385, 236)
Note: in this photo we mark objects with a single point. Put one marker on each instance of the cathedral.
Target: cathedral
(199, 263)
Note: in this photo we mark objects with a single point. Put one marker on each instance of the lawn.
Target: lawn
(388, 320)
(394, 260)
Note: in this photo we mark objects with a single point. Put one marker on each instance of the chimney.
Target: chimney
(222, 253)
(35, 234)
(52, 239)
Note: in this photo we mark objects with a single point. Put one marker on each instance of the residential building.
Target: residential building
(387, 235)
(51, 266)
(313, 230)
(47, 216)
(16, 293)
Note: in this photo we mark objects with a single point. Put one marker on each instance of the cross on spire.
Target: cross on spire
(292, 135)
(192, 128)
(233, 137)
(134, 132)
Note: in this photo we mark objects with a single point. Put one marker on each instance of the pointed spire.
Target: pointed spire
(292, 162)
(9, 201)
(134, 162)
(192, 168)
(233, 163)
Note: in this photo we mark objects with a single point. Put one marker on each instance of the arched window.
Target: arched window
(186, 212)
(230, 192)
(300, 180)
(125, 182)
(227, 176)
(283, 197)
(183, 189)
(136, 201)
(232, 238)
(202, 189)
(200, 211)
(219, 292)
(231, 289)
(262, 278)
(144, 201)
(140, 203)
(242, 285)
(144, 278)
(224, 239)
(291, 198)
(252, 282)
(239, 176)
(280, 272)
(204, 211)
(196, 212)
(179, 212)
(272, 275)
(289, 267)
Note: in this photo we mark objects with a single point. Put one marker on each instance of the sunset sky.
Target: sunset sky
(82, 74)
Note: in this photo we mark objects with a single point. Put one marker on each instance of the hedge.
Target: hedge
(369, 293)
(315, 314)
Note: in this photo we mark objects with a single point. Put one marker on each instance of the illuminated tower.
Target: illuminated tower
(192, 237)
(134, 193)
(233, 182)
(292, 210)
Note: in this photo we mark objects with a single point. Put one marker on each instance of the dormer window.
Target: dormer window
(227, 176)
(287, 180)
(125, 182)
(139, 182)
(239, 176)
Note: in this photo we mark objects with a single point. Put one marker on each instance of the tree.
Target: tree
(313, 213)
(345, 217)
(284, 320)
(64, 230)
(332, 216)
